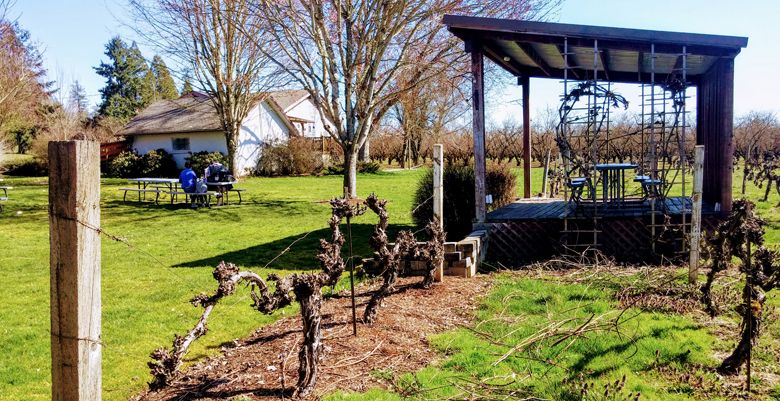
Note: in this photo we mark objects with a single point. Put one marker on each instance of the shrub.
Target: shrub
(459, 196)
(298, 156)
(155, 163)
(158, 163)
(126, 164)
(32, 167)
(369, 167)
(201, 160)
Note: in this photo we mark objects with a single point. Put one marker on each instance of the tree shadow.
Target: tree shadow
(297, 252)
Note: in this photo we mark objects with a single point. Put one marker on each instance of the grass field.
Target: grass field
(168, 257)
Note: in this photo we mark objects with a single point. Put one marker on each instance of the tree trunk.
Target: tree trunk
(768, 187)
(751, 327)
(744, 177)
(231, 139)
(310, 299)
(364, 154)
(350, 173)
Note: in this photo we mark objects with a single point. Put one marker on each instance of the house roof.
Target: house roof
(194, 112)
(539, 49)
(288, 99)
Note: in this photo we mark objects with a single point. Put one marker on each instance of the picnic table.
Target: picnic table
(170, 187)
(5, 195)
(223, 189)
(152, 185)
(613, 180)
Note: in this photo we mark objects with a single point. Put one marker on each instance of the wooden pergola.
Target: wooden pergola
(536, 50)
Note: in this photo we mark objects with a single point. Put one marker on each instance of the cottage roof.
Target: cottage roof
(194, 112)
(288, 99)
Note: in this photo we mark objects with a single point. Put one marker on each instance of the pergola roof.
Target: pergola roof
(536, 49)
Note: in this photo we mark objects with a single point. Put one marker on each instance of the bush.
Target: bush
(369, 167)
(201, 160)
(126, 164)
(298, 156)
(155, 163)
(158, 163)
(459, 196)
(32, 167)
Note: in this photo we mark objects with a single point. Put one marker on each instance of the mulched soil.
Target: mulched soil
(264, 366)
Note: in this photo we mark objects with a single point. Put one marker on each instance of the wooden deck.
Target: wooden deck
(556, 209)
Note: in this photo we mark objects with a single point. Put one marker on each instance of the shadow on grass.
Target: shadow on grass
(587, 357)
(302, 252)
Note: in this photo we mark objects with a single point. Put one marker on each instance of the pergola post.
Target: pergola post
(714, 130)
(525, 81)
(478, 108)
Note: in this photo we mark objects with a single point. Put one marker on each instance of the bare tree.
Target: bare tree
(219, 42)
(754, 135)
(347, 55)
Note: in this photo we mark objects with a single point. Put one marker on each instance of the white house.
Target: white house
(190, 124)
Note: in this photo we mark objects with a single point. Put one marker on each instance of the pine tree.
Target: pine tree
(78, 100)
(165, 88)
(187, 86)
(122, 97)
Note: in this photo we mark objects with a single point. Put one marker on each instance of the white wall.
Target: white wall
(308, 111)
(262, 125)
(199, 141)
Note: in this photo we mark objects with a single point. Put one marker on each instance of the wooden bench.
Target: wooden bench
(652, 188)
(156, 193)
(206, 195)
(4, 198)
(236, 190)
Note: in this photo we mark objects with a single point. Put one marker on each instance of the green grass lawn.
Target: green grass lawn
(171, 254)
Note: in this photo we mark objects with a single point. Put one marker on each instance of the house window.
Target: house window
(181, 144)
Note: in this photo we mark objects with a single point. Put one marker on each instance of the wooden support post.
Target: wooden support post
(545, 176)
(438, 197)
(698, 179)
(74, 221)
(478, 106)
(526, 81)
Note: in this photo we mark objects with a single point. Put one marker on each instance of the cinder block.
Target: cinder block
(438, 274)
(453, 256)
(455, 271)
(450, 247)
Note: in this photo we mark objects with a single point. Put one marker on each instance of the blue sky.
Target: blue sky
(73, 33)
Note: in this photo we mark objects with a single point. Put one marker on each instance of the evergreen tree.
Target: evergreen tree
(78, 100)
(187, 86)
(165, 88)
(122, 97)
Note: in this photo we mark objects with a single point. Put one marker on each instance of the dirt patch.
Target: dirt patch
(263, 366)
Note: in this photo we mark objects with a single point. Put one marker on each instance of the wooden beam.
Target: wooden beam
(499, 60)
(698, 173)
(526, 81)
(478, 122)
(640, 63)
(590, 32)
(604, 56)
(438, 199)
(563, 55)
(534, 56)
(74, 264)
(714, 130)
(612, 44)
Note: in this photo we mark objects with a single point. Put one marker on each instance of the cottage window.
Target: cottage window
(181, 143)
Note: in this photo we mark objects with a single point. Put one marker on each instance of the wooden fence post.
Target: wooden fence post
(546, 174)
(74, 221)
(698, 179)
(438, 197)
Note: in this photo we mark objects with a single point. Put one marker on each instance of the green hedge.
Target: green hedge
(459, 196)
(155, 163)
